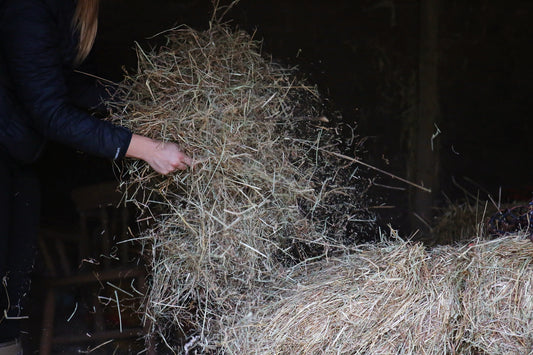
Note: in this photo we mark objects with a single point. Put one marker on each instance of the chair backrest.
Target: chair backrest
(110, 279)
(104, 224)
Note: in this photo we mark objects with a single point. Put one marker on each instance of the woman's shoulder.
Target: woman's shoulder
(35, 13)
(49, 3)
(53, 7)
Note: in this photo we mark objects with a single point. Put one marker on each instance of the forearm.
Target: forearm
(140, 146)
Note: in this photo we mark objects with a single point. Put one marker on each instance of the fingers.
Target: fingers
(186, 161)
(169, 167)
(174, 159)
(181, 166)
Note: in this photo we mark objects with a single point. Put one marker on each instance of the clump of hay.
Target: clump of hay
(265, 194)
(400, 298)
(459, 221)
(471, 218)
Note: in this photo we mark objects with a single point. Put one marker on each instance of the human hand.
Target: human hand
(163, 157)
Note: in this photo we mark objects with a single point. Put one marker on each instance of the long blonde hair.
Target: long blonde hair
(85, 22)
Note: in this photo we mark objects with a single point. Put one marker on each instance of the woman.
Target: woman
(42, 42)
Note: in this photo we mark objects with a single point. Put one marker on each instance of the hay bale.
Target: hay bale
(266, 194)
(384, 299)
(401, 299)
(497, 302)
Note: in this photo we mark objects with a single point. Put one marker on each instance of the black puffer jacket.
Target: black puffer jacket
(38, 101)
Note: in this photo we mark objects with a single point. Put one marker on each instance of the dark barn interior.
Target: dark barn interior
(405, 73)
(364, 57)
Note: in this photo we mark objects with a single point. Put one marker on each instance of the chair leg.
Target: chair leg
(99, 321)
(149, 339)
(150, 346)
(149, 342)
(47, 334)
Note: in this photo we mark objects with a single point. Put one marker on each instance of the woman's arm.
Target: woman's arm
(33, 50)
(33, 47)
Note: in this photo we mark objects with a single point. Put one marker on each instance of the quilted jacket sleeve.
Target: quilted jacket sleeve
(34, 54)
(88, 93)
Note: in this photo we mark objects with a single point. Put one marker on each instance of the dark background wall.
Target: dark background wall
(363, 54)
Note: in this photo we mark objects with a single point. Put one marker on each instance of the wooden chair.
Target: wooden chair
(105, 272)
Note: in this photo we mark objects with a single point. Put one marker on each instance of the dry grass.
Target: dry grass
(399, 298)
(251, 252)
(383, 299)
(496, 302)
(460, 221)
(264, 195)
